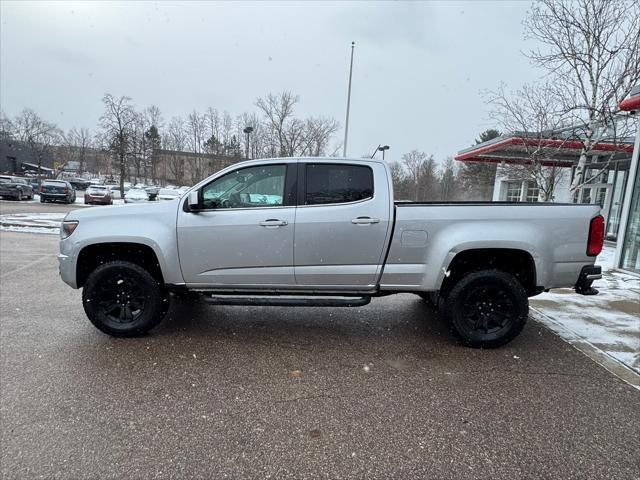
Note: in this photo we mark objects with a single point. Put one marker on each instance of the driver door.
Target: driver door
(243, 235)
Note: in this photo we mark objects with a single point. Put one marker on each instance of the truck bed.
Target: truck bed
(427, 236)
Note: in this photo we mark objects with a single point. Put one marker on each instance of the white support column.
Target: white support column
(626, 205)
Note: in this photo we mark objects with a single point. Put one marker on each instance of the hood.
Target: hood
(150, 208)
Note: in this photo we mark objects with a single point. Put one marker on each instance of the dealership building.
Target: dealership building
(613, 164)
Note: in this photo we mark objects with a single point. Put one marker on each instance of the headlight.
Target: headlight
(67, 228)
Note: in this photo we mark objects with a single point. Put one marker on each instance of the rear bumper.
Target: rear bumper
(54, 195)
(588, 274)
(102, 200)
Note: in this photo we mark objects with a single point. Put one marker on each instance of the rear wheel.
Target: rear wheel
(122, 299)
(487, 309)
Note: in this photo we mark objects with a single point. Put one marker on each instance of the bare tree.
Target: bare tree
(37, 134)
(196, 129)
(176, 140)
(213, 143)
(79, 141)
(591, 49)
(118, 124)
(538, 118)
(278, 112)
(227, 132)
(318, 133)
(414, 162)
(448, 180)
(151, 141)
(6, 127)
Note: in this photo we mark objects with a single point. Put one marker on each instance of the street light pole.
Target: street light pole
(346, 123)
(248, 131)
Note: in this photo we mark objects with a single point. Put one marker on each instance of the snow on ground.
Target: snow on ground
(38, 222)
(609, 321)
(32, 222)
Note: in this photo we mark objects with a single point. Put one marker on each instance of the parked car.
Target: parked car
(57, 191)
(136, 195)
(98, 195)
(326, 232)
(17, 188)
(168, 194)
(153, 192)
(79, 183)
(34, 182)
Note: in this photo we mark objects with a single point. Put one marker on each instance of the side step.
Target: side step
(285, 300)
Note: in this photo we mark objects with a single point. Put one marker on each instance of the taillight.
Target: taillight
(66, 190)
(41, 189)
(596, 236)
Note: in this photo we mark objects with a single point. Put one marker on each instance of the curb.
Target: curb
(612, 365)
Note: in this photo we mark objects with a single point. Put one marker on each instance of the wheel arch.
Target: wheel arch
(517, 262)
(93, 255)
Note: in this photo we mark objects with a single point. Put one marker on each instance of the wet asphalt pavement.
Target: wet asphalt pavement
(381, 391)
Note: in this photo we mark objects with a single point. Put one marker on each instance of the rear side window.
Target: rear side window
(337, 183)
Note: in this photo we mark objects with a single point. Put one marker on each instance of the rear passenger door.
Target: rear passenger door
(342, 223)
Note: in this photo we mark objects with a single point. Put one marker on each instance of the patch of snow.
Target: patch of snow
(32, 222)
(609, 321)
(13, 228)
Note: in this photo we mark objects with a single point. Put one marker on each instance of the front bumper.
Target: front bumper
(67, 263)
(588, 274)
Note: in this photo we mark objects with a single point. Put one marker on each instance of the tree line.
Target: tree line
(132, 136)
(419, 177)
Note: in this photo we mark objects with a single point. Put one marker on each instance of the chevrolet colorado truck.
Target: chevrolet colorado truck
(325, 232)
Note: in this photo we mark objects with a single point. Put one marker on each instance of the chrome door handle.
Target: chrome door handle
(364, 220)
(274, 222)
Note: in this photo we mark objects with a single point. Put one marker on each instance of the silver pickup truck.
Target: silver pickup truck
(325, 232)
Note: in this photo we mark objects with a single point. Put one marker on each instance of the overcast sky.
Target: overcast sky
(418, 67)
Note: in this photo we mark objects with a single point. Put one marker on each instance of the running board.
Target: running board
(285, 301)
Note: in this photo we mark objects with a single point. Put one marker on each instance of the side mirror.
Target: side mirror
(193, 201)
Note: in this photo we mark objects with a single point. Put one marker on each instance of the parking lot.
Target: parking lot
(382, 391)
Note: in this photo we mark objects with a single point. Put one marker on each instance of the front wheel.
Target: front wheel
(122, 299)
(487, 309)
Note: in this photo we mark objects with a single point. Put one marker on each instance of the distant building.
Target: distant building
(15, 157)
(187, 168)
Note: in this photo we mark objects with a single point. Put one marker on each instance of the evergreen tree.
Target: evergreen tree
(478, 178)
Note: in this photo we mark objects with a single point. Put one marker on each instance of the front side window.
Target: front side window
(336, 183)
(253, 187)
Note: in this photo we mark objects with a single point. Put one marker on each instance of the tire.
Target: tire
(147, 300)
(42, 200)
(487, 309)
